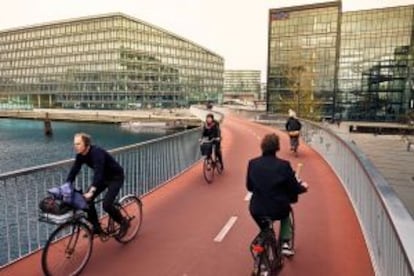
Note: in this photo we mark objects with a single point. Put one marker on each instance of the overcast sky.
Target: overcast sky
(236, 30)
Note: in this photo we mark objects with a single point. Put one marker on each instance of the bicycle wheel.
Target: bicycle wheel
(273, 256)
(296, 146)
(259, 267)
(265, 265)
(208, 170)
(68, 249)
(219, 167)
(131, 209)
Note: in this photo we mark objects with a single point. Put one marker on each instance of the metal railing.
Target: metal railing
(147, 165)
(386, 223)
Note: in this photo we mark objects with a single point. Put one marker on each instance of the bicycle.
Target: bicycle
(266, 249)
(69, 247)
(211, 162)
(294, 143)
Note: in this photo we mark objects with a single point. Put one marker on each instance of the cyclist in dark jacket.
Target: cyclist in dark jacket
(108, 174)
(274, 187)
(293, 127)
(211, 130)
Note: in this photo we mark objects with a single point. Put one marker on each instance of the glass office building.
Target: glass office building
(241, 85)
(303, 44)
(376, 64)
(357, 65)
(110, 61)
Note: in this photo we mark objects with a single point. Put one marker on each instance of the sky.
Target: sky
(236, 30)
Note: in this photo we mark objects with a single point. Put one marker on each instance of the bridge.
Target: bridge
(345, 225)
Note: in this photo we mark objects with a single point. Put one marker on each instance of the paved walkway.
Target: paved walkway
(182, 219)
(109, 116)
(390, 155)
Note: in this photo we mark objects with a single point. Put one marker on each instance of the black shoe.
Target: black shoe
(123, 228)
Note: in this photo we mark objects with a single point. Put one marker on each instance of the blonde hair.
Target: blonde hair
(292, 113)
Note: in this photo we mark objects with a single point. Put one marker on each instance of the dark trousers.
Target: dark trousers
(113, 186)
(218, 152)
(294, 142)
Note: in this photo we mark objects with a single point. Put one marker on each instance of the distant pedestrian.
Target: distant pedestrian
(338, 120)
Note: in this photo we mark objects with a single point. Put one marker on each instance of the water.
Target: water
(23, 143)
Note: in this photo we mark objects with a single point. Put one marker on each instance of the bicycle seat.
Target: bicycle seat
(268, 221)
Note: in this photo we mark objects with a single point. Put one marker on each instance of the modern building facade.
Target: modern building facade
(109, 61)
(243, 85)
(355, 65)
(375, 79)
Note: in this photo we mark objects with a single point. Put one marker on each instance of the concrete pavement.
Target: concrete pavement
(389, 153)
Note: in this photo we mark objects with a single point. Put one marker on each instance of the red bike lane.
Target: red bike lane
(183, 218)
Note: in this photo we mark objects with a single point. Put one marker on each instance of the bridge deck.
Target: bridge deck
(182, 218)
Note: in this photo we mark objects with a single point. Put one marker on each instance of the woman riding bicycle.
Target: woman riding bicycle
(293, 127)
(108, 174)
(274, 187)
(211, 130)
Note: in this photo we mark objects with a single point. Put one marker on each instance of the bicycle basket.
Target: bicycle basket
(56, 219)
(206, 149)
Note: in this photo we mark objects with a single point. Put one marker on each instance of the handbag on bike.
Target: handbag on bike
(52, 205)
(206, 149)
(69, 196)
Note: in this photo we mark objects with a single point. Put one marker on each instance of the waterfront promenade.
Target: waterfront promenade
(183, 116)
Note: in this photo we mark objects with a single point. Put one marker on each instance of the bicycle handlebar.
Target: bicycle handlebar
(206, 140)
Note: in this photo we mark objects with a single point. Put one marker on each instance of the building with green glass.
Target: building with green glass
(356, 65)
(376, 72)
(111, 61)
(241, 85)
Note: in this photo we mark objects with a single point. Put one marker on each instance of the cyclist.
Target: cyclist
(108, 174)
(274, 187)
(211, 130)
(293, 127)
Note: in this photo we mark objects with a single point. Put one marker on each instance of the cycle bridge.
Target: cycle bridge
(194, 228)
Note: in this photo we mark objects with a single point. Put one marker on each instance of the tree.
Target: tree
(297, 79)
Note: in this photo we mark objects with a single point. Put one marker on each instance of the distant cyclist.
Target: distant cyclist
(274, 187)
(293, 127)
(211, 130)
(108, 174)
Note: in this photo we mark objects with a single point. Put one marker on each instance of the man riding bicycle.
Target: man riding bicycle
(211, 131)
(293, 127)
(274, 187)
(108, 174)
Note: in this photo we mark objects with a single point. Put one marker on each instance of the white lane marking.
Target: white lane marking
(248, 196)
(226, 228)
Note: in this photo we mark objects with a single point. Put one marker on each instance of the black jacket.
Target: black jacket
(274, 186)
(212, 131)
(293, 124)
(103, 164)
